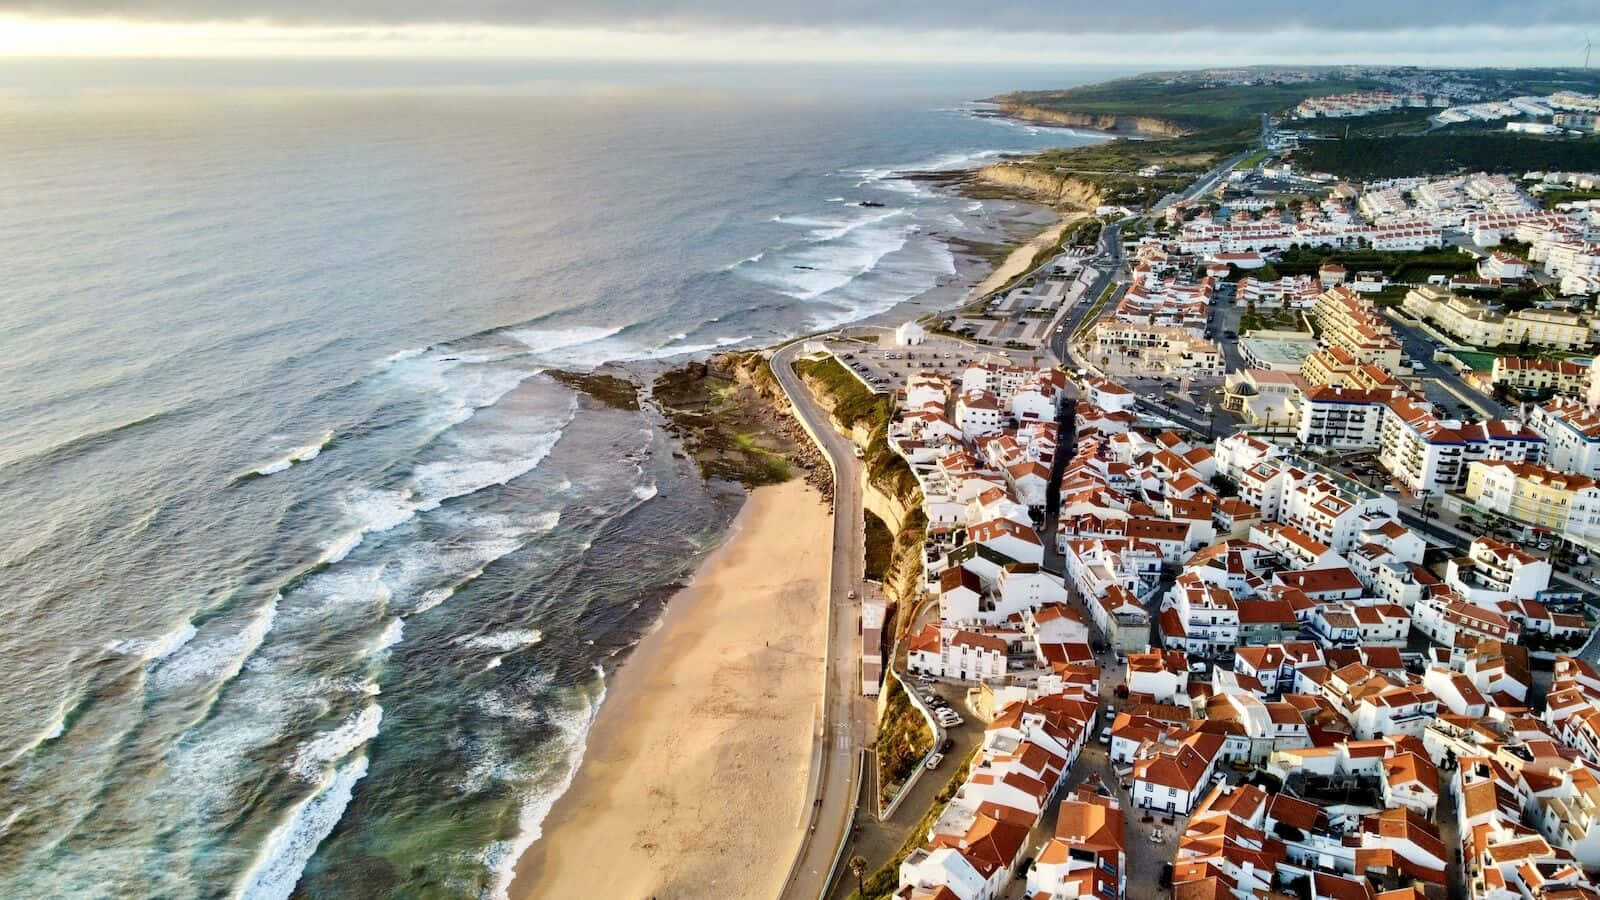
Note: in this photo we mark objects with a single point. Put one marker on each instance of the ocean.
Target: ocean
(312, 578)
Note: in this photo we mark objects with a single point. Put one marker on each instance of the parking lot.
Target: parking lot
(885, 367)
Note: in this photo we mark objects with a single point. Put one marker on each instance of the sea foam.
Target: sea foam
(290, 846)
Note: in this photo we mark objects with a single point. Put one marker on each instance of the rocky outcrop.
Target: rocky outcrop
(1149, 126)
(1057, 188)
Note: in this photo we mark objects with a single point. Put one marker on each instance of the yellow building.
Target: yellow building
(1473, 321)
(1559, 501)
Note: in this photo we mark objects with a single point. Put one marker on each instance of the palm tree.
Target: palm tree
(858, 868)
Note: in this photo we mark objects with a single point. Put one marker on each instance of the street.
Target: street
(847, 717)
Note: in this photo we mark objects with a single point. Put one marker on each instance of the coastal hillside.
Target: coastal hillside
(1126, 171)
(1040, 182)
(1173, 104)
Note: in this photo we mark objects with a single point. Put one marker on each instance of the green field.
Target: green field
(1183, 99)
(1477, 360)
(1368, 158)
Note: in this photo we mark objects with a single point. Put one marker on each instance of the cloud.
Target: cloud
(1053, 16)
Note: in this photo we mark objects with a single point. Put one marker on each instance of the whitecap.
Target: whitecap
(644, 491)
(540, 341)
(331, 746)
(283, 858)
(375, 511)
(401, 356)
(155, 649)
(500, 857)
(392, 634)
(297, 455)
(446, 479)
(220, 657)
(511, 639)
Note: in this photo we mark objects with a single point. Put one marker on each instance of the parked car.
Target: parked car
(1105, 735)
(948, 745)
(934, 760)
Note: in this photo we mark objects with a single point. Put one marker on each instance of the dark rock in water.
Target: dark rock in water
(615, 392)
(869, 203)
(805, 267)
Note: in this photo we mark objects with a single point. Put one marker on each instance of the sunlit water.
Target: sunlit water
(312, 579)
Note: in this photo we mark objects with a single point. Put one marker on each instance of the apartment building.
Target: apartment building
(1532, 375)
(1351, 322)
(1572, 435)
(1159, 348)
(1474, 321)
(1564, 503)
(1494, 571)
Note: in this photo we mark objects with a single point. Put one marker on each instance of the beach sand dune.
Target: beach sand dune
(694, 780)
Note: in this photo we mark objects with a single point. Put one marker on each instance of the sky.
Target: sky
(1128, 32)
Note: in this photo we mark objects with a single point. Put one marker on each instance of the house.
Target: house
(947, 652)
(1087, 856)
(1173, 778)
(1494, 570)
(1163, 675)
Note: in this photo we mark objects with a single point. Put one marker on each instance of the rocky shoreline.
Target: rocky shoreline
(727, 411)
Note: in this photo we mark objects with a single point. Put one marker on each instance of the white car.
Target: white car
(934, 760)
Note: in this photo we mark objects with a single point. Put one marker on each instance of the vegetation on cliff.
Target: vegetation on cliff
(882, 883)
(732, 418)
(1170, 104)
(855, 408)
(880, 546)
(904, 740)
(1109, 173)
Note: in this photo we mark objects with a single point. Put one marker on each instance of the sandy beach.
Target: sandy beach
(1023, 256)
(694, 780)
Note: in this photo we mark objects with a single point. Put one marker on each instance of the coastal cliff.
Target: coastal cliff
(1056, 188)
(1149, 126)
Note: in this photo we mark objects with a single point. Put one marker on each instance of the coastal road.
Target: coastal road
(846, 713)
(1107, 261)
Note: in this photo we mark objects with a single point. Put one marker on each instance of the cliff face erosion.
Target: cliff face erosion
(1056, 188)
(1117, 124)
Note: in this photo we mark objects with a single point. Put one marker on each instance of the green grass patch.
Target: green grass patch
(1398, 265)
(1551, 199)
(1187, 100)
(904, 740)
(1477, 360)
(880, 547)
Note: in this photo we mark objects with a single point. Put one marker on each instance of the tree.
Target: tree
(858, 868)
(1226, 487)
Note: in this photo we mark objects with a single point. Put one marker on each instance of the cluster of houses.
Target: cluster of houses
(1268, 613)
(1362, 103)
(981, 445)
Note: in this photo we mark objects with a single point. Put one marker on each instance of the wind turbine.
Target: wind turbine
(1587, 45)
